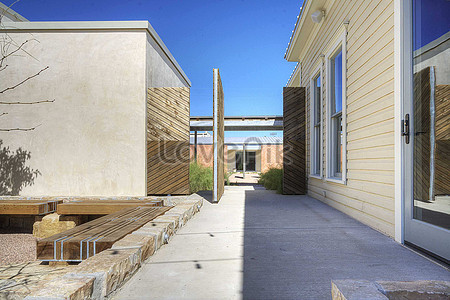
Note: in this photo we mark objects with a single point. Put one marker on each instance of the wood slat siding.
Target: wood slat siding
(294, 168)
(168, 140)
(421, 127)
(422, 145)
(219, 132)
(368, 195)
(442, 131)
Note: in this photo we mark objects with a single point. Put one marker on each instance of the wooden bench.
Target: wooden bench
(90, 238)
(102, 207)
(28, 207)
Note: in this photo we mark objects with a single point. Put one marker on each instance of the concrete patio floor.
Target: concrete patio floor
(256, 244)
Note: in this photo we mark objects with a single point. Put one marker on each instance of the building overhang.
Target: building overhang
(249, 123)
(95, 26)
(304, 28)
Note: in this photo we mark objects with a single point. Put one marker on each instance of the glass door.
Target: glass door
(426, 128)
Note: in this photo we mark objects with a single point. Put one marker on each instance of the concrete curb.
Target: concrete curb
(100, 275)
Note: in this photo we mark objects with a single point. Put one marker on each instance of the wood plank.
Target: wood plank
(90, 238)
(28, 207)
(101, 208)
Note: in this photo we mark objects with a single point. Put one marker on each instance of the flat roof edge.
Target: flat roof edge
(10, 13)
(97, 25)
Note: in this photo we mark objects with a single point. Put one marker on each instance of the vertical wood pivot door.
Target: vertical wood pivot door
(294, 141)
(218, 126)
(168, 141)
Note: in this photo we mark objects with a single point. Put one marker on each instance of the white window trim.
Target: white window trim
(340, 41)
(312, 142)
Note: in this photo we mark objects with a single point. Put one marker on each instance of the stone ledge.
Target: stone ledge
(69, 286)
(393, 290)
(100, 275)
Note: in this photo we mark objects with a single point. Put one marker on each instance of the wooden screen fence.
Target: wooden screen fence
(428, 184)
(294, 141)
(218, 126)
(168, 140)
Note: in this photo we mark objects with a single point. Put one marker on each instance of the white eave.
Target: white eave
(294, 74)
(96, 25)
(303, 29)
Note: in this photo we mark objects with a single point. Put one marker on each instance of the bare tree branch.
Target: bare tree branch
(2, 114)
(5, 55)
(1, 69)
(23, 81)
(19, 102)
(19, 129)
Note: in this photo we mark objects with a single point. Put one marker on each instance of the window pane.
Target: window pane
(317, 140)
(317, 100)
(336, 82)
(430, 138)
(337, 124)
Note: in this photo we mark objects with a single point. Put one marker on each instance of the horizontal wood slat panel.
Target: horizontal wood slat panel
(294, 133)
(168, 167)
(168, 140)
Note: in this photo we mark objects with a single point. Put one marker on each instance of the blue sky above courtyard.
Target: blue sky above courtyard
(246, 40)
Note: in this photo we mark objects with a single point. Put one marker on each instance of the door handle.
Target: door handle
(405, 128)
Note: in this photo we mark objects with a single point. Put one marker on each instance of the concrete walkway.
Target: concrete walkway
(256, 244)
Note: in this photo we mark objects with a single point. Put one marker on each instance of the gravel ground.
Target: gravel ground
(17, 248)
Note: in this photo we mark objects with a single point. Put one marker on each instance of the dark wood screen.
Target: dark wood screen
(294, 141)
(422, 142)
(442, 169)
(219, 136)
(168, 141)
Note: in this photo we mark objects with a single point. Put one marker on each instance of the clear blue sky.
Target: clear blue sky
(246, 40)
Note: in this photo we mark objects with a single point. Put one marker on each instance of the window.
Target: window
(336, 112)
(316, 124)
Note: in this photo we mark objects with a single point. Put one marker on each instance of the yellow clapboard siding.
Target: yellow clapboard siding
(371, 113)
(383, 164)
(370, 130)
(385, 151)
(368, 195)
(383, 139)
(370, 60)
(357, 193)
(379, 224)
(370, 81)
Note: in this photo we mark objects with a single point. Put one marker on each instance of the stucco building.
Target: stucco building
(376, 76)
(92, 140)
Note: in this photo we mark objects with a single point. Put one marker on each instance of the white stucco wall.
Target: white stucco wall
(92, 139)
(161, 72)
(88, 140)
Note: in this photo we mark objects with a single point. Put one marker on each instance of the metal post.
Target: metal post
(195, 146)
(243, 161)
